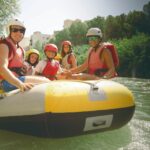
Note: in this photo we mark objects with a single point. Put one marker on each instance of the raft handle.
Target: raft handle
(99, 123)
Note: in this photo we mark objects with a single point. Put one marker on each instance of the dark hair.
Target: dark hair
(63, 54)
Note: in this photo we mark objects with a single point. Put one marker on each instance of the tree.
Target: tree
(146, 10)
(137, 20)
(112, 28)
(8, 9)
(78, 32)
(61, 36)
(96, 22)
(134, 56)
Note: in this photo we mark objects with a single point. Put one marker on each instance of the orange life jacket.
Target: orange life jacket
(95, 65)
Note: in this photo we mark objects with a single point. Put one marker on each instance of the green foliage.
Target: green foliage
(134, 56)
(146, 9)
(81, 53)
(60, 37)
(112, 28)
(118, 27)
(39, 46)
(77, 32)
(8, 9)
(96, 22)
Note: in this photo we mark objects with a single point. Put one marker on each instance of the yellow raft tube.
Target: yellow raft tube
(67, 108)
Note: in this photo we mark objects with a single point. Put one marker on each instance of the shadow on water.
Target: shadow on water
(111, 140)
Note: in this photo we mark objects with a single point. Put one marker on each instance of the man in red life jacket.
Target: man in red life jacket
(12, 58)
(101, 61)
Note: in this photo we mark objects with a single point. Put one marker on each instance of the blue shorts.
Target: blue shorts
(6, 86)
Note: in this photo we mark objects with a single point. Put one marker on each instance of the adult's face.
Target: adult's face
(17, 33)
(93, 41)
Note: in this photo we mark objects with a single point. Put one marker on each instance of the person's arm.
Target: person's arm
(6, 73)
(80, 68)
(107, 58)
(73, 61)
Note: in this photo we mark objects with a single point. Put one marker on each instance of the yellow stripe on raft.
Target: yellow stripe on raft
(70, 96)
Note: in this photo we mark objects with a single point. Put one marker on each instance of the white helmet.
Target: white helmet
(14, 22)
(94, 32)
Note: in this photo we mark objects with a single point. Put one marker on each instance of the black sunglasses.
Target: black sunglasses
(22, 30)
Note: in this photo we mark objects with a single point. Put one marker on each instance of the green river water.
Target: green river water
(133, 136)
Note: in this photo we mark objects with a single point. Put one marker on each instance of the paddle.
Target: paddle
(12, 92)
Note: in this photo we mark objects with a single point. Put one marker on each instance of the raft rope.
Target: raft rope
(93, 86)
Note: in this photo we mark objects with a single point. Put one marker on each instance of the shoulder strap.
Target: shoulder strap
(10, 47)
(113, 51)
(90, 52)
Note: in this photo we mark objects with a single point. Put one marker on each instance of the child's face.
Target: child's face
(50, 54)
(66, 48)
(33, 58)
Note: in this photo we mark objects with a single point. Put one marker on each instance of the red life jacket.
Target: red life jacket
(51, 69)
(95, 65)
(15, 57)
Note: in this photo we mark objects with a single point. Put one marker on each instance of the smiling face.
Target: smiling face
(33, 58)
(50, 54)
(66, 48)
(17, 33)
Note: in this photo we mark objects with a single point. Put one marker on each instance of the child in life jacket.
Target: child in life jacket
(49, 67)
(32, 59)
(68, 58)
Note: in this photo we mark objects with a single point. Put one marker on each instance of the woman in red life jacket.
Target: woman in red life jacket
(68, 58)
(101, 61)
(49, 67)
(12, 58)
(32, 59)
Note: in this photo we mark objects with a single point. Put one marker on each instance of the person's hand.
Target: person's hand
(67, 73)
(25, 86)
(61, 76)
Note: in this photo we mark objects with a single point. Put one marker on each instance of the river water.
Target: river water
(133, 136)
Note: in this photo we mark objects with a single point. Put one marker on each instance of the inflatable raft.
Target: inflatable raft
(67, 108)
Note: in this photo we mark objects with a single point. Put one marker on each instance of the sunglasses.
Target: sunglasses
(93, 38)
(22, 30)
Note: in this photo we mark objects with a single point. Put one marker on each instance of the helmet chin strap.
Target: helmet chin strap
(97, 46)
(49, 59)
